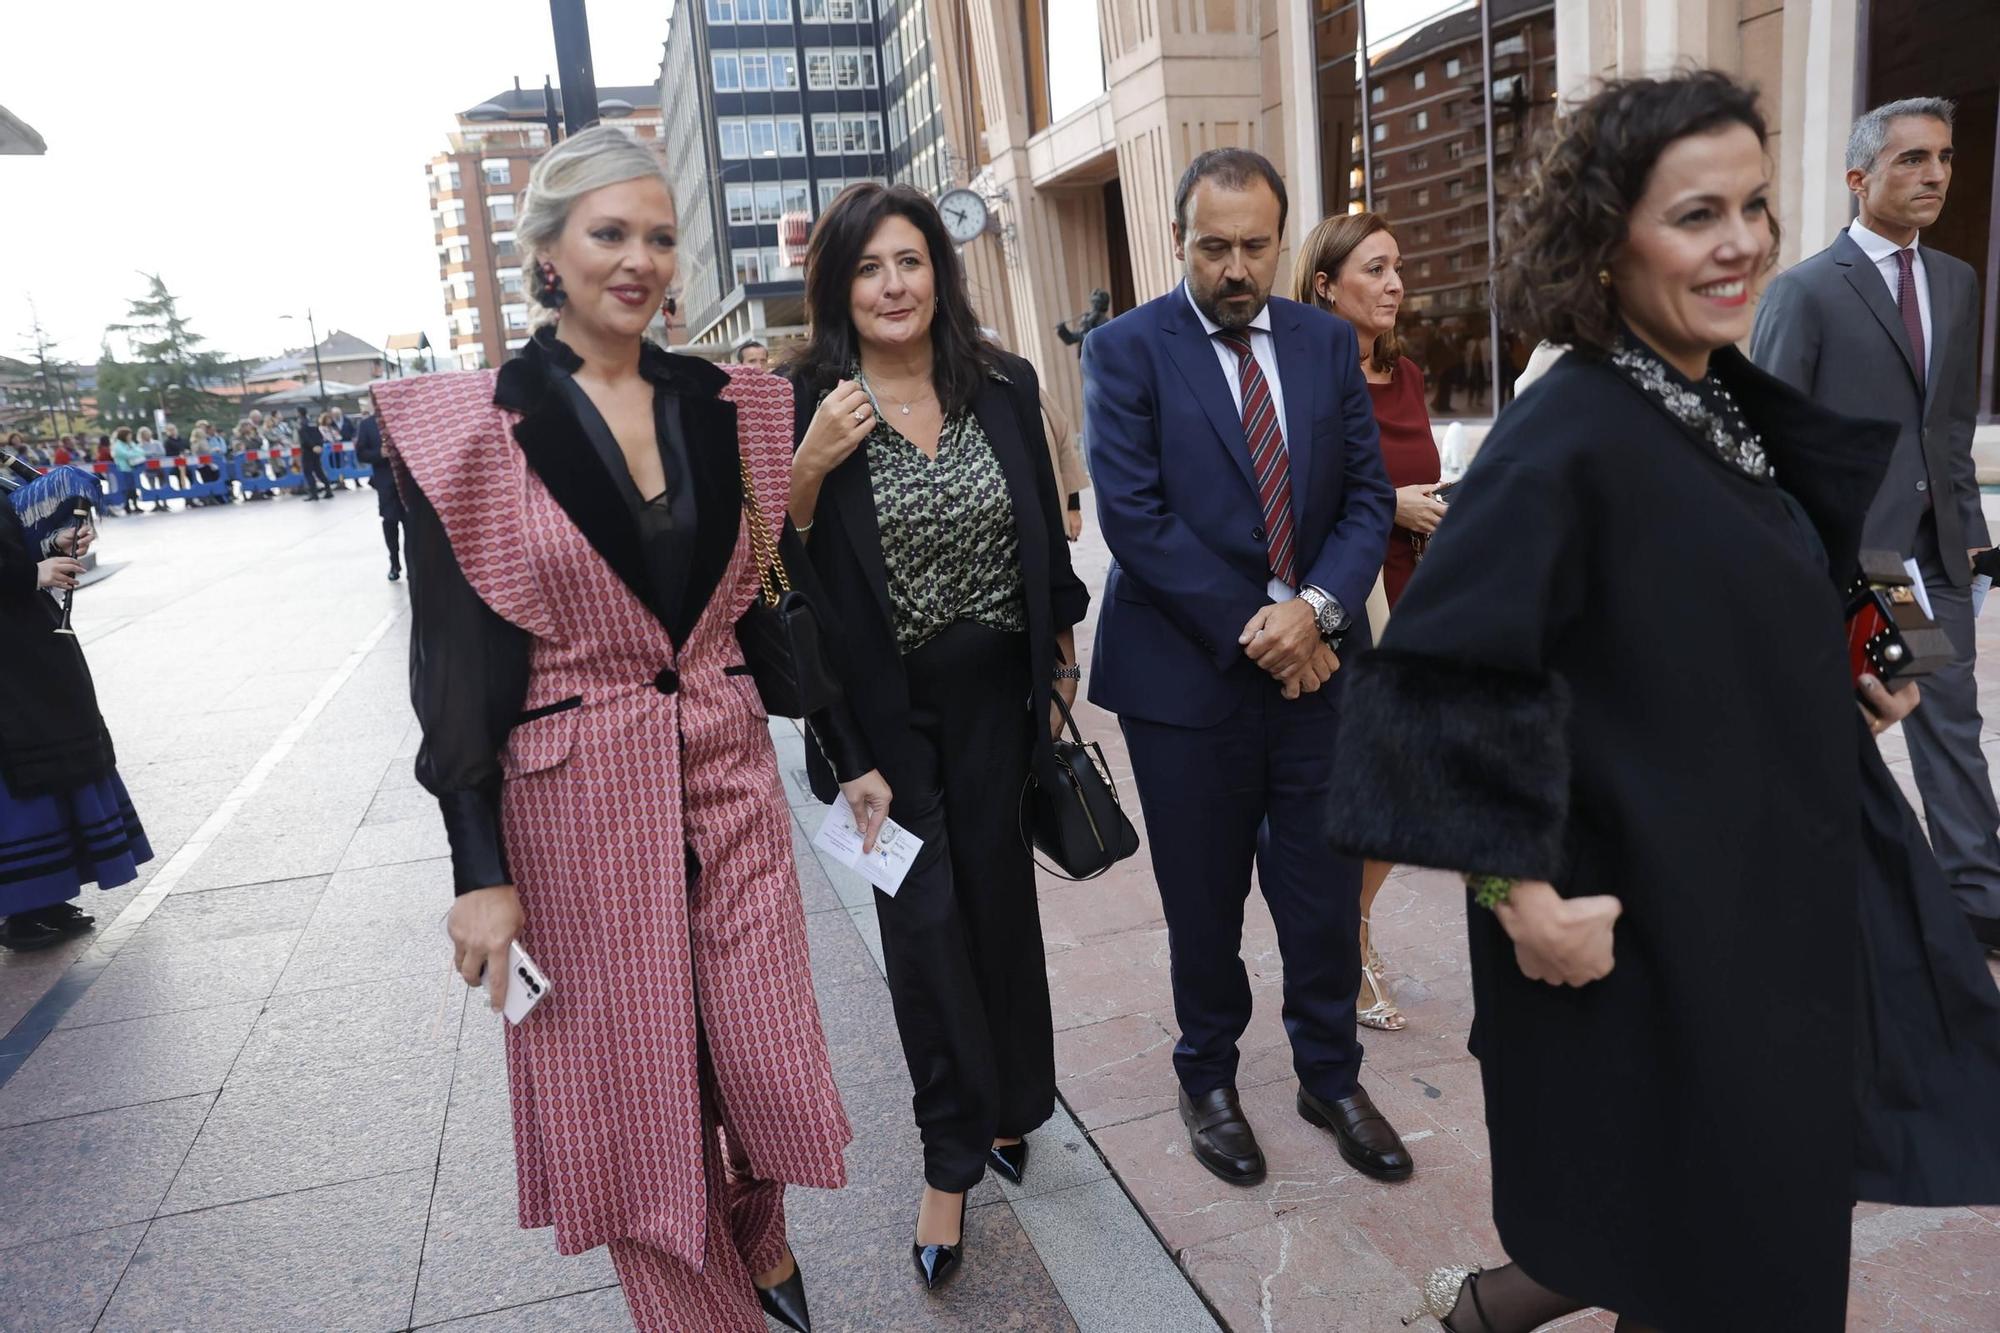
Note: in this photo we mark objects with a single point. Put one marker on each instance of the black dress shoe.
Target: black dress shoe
(786, 1302)
(395, 573)
(936, 1263)
(1222, 1138)
(67, 918)
(1010, 1159)
(24, 933)
(1364, 1135)
(1985, 929)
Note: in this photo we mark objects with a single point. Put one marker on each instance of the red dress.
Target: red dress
(1409, 453)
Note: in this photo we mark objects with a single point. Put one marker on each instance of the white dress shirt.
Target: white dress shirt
(1266, 352)
(1882, 252)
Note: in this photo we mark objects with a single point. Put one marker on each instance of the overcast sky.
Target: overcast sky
(265, 156)
(261, 156)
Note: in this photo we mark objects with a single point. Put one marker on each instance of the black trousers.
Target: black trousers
(1252, 791)
(962, 938)
(392, 536)
(315, 473)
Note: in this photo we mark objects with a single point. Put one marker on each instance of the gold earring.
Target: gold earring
(1604, 277)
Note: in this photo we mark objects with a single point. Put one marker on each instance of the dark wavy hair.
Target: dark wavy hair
(962, 357)
(1567, 219)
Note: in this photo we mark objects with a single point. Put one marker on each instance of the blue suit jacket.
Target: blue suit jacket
(1178, 502)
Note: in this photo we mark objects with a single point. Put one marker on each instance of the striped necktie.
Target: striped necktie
(1268, 462)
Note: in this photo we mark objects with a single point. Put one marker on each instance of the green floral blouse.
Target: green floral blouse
(948, 535)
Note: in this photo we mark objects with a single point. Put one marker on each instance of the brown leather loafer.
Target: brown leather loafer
(1221, 1136)
(1364, 1135)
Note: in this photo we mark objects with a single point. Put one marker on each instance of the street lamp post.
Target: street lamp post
(573, 68)
(312, 331)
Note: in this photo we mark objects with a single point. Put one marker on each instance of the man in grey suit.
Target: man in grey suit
(1877, 325)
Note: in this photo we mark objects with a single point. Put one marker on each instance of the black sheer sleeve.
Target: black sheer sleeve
(468, 680)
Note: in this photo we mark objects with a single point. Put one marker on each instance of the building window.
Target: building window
(501, 207)
(749, 267)
(1420, 122)
(516, 316)
(1511, 46)
(835, 11)
(728, 77)
(498, 171)
(731, 138)
(452, 214)
(763, 139)
(777, 270)
(510, 284)
(798, 197)
(854, 69)
(1381, 171)
(756, 71)
(784, 71)
(721, 11)
(1419, 161)
(791, 137)
(742, 202)
(1421, 198)
(770, 201)
(847, 133)
(1451, 68)
(504, 248)
(819, 69)
(1457, 149)
(1380, 133)
(1454, 189)
(1417, 81)
(828, 192)
(1376, 94)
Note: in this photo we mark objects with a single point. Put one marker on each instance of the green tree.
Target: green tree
(173, 363)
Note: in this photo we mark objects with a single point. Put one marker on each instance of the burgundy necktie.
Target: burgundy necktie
(1268, 462)
(1913, 316)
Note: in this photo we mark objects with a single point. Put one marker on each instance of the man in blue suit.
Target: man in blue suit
(1239, 481)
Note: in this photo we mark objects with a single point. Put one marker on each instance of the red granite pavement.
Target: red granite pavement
(1318, 1246)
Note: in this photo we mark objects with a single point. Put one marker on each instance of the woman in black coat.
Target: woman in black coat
(65, 819)
(923, 486)
(1721, 993)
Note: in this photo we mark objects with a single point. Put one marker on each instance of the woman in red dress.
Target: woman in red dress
(1351, 267)
(579, 559)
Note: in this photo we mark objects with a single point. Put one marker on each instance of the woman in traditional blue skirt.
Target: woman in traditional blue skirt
(65, 818)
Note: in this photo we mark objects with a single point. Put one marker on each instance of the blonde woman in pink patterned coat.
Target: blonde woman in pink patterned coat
(579, 559)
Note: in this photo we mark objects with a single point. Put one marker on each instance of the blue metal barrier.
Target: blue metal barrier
(337, 457)
(261, 471)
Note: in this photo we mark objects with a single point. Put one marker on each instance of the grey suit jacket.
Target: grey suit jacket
(1829, 327)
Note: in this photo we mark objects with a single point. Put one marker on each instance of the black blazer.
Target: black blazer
(846, 547)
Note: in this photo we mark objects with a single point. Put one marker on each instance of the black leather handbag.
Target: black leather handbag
(780, 634)
(1074, 818)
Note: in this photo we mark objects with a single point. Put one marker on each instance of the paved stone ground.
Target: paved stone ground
(259, 1100)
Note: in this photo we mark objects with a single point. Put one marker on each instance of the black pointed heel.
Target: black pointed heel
(786, 1302)
(1010, 1160)
(936, 1263)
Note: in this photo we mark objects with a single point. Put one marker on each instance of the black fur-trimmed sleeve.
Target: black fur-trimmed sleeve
(1453, 765)
(1454, 748)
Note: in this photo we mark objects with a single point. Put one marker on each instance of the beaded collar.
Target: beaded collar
(1704, 408)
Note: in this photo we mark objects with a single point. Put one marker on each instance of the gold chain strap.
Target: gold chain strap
(770, 569)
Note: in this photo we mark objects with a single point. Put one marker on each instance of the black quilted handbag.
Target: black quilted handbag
(780, 634)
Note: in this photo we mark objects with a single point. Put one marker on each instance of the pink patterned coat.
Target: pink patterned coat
(597, 803)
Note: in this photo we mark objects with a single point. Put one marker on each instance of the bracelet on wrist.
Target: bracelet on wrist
(1489, 891)
(1074, 671)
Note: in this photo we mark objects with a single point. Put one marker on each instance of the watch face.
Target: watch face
(964, 214)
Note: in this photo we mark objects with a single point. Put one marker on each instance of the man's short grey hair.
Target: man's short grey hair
(588, 160)
(1870, 133)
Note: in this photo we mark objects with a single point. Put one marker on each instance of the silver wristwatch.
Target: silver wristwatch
(1327, 613)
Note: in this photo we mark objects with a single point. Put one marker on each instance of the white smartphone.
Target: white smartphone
(526, 986)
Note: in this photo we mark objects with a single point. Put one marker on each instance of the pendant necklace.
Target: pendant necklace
(902, 406)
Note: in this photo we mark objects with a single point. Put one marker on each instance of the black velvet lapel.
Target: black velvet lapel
(558, 448)
(708, 424)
